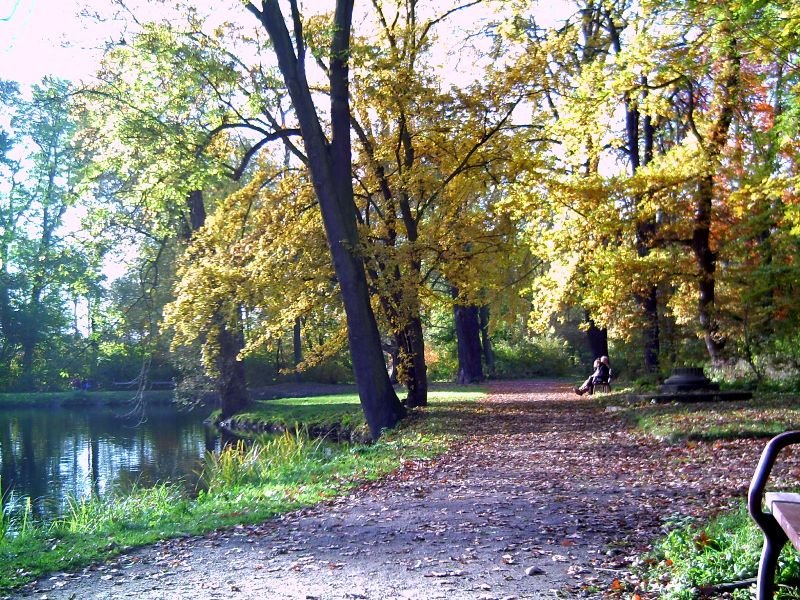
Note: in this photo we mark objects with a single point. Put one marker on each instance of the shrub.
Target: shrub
(541, 356)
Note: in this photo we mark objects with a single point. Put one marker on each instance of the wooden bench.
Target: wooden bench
(782, 523)
(603, 386)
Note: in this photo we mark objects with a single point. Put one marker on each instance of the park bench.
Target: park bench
(602, 386)
(782, 523)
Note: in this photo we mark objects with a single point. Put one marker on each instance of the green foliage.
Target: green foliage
(726, 549)
(45, 273)
(538, 356)
(264, 368)
(618, 220)
(264, 460)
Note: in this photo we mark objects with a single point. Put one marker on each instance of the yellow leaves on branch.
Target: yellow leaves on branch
(262, 255)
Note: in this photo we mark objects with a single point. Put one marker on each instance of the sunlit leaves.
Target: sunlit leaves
(715, 104)
(263, 252)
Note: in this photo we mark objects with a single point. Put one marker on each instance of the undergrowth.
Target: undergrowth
(695, 557)
(766, 415)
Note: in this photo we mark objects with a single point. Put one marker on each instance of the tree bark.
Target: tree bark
(231, 382)
(597, 339)
(402, 309)
(706, 260)
(330, 168)
(645, 227)
(297, 346)
(412, 372)
(486, 341)
(725, 97)
(468, 340)
(645, 234)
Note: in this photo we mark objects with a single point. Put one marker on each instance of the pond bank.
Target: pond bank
(128, 397)
(237, 490)
(74, 398)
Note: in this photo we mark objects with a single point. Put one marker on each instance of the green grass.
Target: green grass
(339, 414)
(240, 486)
(727, 549)
(80, 398)
(342, 410)
(764, 416)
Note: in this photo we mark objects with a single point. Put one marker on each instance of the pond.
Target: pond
(50, 455)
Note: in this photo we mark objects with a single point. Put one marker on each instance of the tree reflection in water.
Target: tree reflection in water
(53, 454)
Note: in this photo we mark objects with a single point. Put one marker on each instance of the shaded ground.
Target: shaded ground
(550, 495)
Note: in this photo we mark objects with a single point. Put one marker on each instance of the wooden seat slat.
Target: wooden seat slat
(785, 507)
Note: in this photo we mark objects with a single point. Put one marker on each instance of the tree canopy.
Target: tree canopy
(307, 177)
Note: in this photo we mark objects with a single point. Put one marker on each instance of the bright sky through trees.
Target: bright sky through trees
(62, 37)
(66, 38)
(41, 37)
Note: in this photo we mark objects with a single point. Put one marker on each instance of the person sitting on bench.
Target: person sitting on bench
(601, 374)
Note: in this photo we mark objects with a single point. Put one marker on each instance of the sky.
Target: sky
(49, 37)
(34, 35)
(58, 37)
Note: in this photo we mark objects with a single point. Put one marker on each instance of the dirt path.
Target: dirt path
(550, 495)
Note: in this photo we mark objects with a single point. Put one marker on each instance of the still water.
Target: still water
(52, 454)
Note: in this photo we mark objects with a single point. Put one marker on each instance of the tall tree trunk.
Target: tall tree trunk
(468, 341)
(331, 173)
(408, 353)
(297, 346)
(232, 378)
(725, 99)
(231, 382)
(417, 382)
(486, 341)
(393, 350)
(645, 226)
(706, 260)
(645, 234)
(597, 339)
(651, 332)
(413, 370)
(402, 310)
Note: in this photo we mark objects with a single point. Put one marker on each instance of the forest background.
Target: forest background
(503, 193)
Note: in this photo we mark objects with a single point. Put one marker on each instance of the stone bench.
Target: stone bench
(782, 523)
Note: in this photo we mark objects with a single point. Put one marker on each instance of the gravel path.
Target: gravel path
(549, 496)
